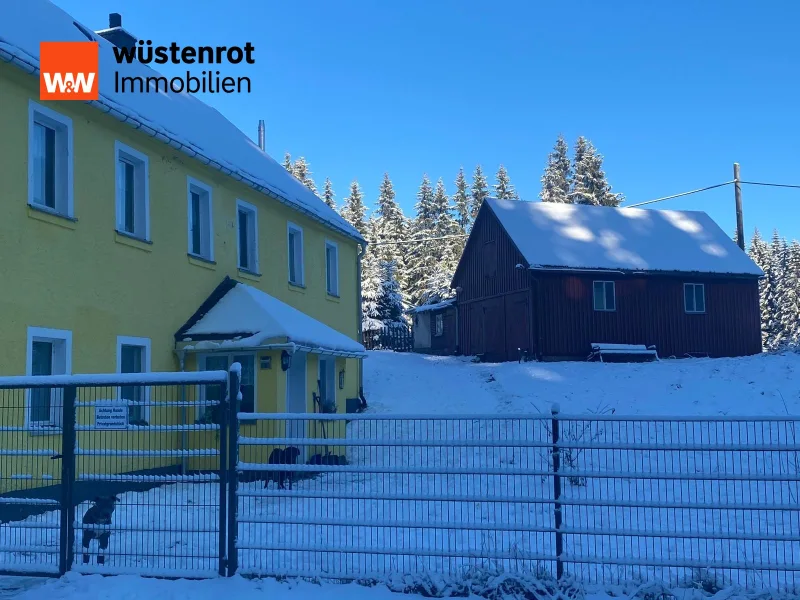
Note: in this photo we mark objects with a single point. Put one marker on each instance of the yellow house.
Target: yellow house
(136, 231)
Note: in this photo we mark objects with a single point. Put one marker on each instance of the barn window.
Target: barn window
(694, 297)
(489, 259)
(438, 329)
(605, 297)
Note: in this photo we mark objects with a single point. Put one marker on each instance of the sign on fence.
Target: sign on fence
(111, 416)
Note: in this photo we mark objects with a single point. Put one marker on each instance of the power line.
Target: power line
(710, 187)
(415, 240)
(781, 185)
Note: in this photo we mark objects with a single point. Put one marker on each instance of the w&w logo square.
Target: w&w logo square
(68, 71)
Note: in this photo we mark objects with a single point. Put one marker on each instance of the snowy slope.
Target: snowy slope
(418, 384)
(599, 237)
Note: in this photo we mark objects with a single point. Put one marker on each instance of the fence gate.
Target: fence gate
(114, 474)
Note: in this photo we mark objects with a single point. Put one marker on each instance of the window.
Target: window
(489, 259)
(49, 353)
(49, 160)
(438, 329)
(694, 297)
(247, 233)
(605, 296)
(211, 393)
(133, 356)
(133, 198)
(295, 236)
(201, 232)
(332, 268)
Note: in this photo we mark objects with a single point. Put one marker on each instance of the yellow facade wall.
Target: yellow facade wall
(82, 276)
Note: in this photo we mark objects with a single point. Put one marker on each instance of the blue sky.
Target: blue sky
(671, 93)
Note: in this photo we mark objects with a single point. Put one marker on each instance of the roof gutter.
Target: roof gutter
(101, 104)
(638, 272)
(289, 346)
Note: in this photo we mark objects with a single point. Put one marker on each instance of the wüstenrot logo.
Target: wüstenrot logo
(68, 71)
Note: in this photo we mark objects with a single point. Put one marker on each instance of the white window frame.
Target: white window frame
(201, 366)
(613, 287)
(64, 200)
(438, 325)
(291, 227)
(252, 211)
(144, 343)
(64, 338)
(694, 298)
(194, 185)
(335, 279)
(141, 200)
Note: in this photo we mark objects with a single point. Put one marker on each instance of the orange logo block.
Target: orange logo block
(69, 71)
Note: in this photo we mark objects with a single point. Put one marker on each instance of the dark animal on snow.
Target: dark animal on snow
(326, 459)
(282, 456)
(99, 513)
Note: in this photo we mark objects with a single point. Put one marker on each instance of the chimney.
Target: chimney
(262, 133)
(116, 34)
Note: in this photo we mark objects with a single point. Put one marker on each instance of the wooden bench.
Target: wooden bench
(638, 350)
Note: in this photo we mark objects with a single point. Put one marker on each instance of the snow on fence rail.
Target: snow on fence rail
(604, 499)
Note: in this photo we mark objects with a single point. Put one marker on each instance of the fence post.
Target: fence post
(223, 478)
(67, 537)
(234, 378)
(557, 494)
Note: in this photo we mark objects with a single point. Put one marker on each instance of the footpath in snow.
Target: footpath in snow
(416, 384)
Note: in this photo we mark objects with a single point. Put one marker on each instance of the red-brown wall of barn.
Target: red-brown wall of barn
(649, 310)
(502, 309)
(446, 343)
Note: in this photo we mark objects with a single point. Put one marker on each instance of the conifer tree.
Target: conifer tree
(480, 191)
(370, 285)
(390, 301)
(421, 256)
(354, 210)
(792, 298)
(327, 195)
(461, 202)
(503, 189)
(287, 163)
(779, 249)
(589, 184)
(761, 254)
(557, 174)
(302, 171)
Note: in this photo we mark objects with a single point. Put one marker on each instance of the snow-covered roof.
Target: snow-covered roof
(429, 307)
(180, 120)
(571, 236)
(246, 317)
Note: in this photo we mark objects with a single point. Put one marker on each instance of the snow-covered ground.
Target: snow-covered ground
(748, 386)
(452, 512)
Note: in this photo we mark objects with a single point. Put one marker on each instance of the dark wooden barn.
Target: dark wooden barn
(549, 280)
(435, 328)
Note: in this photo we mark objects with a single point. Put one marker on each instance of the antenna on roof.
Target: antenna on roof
(262, 134)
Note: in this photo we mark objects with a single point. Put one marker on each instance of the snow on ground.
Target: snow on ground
(417, 384)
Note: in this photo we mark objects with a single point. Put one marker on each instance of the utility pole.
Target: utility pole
(739, 218)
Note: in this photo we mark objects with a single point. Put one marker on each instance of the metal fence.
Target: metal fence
(399, 338)
(113, 474)
(603, 499)
(202, 490)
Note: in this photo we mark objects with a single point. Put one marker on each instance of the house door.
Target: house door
(327, 381)
(517, 329)
(296, 397)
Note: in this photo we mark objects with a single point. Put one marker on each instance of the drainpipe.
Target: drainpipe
(361, 253)
(184, 433)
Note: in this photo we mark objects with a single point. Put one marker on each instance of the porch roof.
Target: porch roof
(239, 316)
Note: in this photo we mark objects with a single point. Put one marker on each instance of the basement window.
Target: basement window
(133, 197)
(49, 160)
(694, 298)
(605, 297)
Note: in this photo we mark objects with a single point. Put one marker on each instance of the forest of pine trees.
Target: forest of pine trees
(396, 272)
(779, 290)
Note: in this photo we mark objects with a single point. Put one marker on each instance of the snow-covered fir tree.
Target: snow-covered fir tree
(589, 183)
(479, 191)
(392, 229)
(327, 194)
(503, 189)
(421, 254)
(461, 203)
(791, 313)
(353, 210)
(390, 300)
(779, 249)
(557, 174)
(287, 163)
(370, 284)
(761, 254)
(302, 171)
